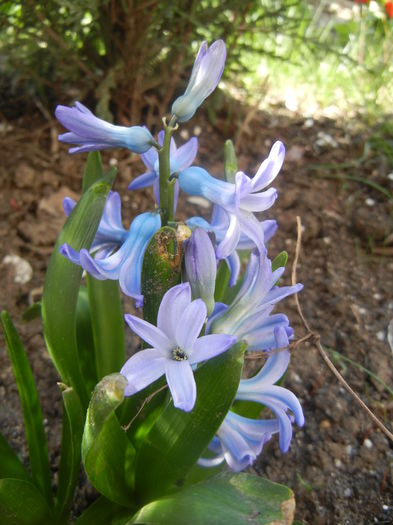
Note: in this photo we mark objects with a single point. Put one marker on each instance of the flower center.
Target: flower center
(179, 355)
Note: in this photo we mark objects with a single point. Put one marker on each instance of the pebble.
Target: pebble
(325, 424)
(385, 507)
(22, 268)
(338, 463)
(381, 335)
(370, 202)
(368, 443)
(348, 492)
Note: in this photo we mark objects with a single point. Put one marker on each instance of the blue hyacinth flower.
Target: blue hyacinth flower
(248, 316)
(240, 200)
(206, 73)
(239, 440)
(179, 158)
(219, 225)
(175, 347)
(91, 133)
(116, 253)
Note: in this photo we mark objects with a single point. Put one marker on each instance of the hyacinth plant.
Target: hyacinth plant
(163, 434)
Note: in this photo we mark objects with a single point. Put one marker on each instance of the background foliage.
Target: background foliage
(118, 55)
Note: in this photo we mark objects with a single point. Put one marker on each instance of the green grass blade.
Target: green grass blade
(34, 425)
(108, 325)
(62, 285)
(10, 465)
(70, 459)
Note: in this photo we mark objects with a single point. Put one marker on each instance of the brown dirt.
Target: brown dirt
(339, 465)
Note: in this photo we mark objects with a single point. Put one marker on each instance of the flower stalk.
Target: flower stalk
(167, 188)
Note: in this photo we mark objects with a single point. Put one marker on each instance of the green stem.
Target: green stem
(166, 187)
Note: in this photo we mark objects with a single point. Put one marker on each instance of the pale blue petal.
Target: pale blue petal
(190, 324)
(184, 156)
(234, 265)
(259, 201)
(149, 333)
(209, 346)
(181, 383)
(68, 205)
(270, 168)
(149, 158)
(70, 253)
(142, 369)
(230, 240)
(143, 181)
(173, 304)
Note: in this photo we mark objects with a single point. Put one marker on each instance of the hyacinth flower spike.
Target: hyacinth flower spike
(175, 347)
(206, 73)
(125, 264)
(239, 440)
(180, 158)
(238, 200)
(91, 133)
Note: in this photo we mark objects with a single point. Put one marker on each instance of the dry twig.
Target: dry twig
(315, 339)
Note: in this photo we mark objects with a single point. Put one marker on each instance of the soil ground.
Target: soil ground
(340, 466)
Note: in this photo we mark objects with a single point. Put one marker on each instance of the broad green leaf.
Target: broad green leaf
(70, 458)
(104, 512)
(108, 325)
(178, 438)
(10, 465)
(161, 267)
(93, 170)
(21, 503)
(227, 499)
(85, 341)
(34, 426)
(62, 284)
(230, 164)
(107, 453)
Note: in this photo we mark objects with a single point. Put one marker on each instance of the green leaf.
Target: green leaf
(85, 341)
(21, 503)
(227, 499)
(161, 267)
(107, 453)
(32, 312)
(178, 438)
(108, 325)
(222, 282)
(230, 164)
(93, 170)
(104, 512)
(10, 465)
(70, 458)
(62, 284)
(34, 426)
(280, 261)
